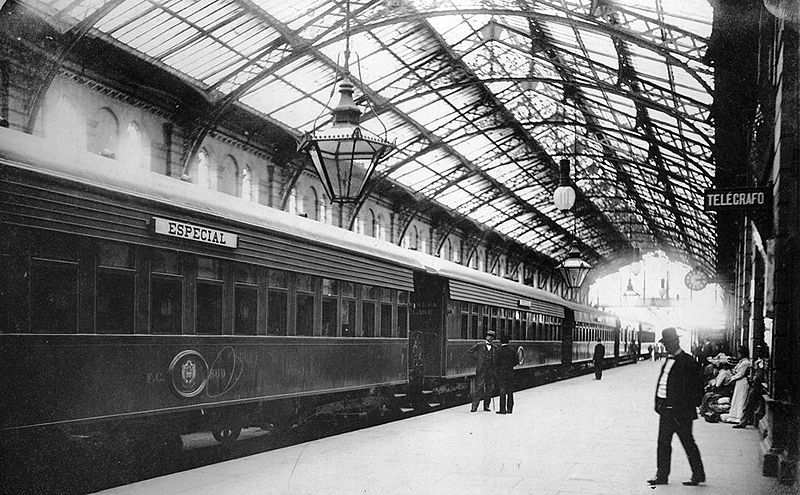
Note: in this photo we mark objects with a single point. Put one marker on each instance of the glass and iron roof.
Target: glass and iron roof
(481, 97)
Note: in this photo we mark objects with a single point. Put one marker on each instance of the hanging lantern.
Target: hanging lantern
(574, 269)
(636, 266)
(344, 156)
(564, 195)
(629, 291)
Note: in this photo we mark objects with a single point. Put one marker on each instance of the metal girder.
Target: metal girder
(300, 48)
(456, 61)
(75, 35)
(576, 21)
(643, 120)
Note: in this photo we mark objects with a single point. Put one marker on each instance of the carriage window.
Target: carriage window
(402, 314)
(348, 318)
(517, 326)
(369, 295)
(165, 304)
(277, 302)
(386, 312)
(5, 291)
(464, 307)
(305, 305)
(501, 325)
(330, 306)
(245, 298)
(54, 296)
(115, 288)
(475, 327)
(209, 297)
(166, 262)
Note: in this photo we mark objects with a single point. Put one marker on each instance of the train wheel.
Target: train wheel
(227, 434)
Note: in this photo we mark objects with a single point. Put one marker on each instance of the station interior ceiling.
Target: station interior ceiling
(482, 98)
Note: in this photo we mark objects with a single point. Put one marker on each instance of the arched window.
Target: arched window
(448, 250)
(103, 133)
(358, 225)
(134, 152)
(67, 127)
(422, 244)
(247, 184)
(372, 225)
(292, 206)
(311, 201)
(203, 169)
(380, 231)
(414, 241)
(322, 212)
(227, 176)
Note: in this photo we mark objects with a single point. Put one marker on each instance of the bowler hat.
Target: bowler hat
(669, 334)
(490, 332)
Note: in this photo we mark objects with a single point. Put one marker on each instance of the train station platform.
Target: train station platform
(578, 436)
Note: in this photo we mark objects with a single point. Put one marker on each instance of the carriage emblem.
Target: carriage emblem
(189, 370)
(520, 355)
(189, 373)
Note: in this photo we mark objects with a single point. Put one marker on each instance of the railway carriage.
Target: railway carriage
(131, 300)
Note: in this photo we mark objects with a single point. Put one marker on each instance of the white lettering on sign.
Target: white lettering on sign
(524, 303)
(195, 232)
(736, 199)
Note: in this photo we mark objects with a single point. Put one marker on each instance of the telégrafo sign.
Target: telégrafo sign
(183, 230)
(739, 198)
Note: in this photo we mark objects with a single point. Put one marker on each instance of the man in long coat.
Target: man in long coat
(504, 361)
(598, 358)
(483, 352)
(678, 393)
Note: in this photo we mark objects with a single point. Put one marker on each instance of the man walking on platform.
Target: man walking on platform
(678, 393)
(505, 359)
(599, 356)
(484, 371)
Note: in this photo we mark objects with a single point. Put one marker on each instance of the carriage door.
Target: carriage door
(425, 336)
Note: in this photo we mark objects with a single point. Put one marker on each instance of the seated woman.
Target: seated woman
(720, 386)
(739, 398)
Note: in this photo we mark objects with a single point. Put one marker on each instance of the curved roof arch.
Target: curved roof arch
(482, 97)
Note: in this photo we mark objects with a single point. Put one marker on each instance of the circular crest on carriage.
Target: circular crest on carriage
(189, 373)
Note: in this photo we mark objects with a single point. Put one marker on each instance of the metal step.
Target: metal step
(434, 404)
(406, 409)
(427, 392)
(400, 396)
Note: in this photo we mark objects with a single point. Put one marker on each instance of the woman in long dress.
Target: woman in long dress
(742, 387)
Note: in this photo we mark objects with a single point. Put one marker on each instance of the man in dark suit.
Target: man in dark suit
(504, 361)
(678, 393)
(483, 352)
(599, 356)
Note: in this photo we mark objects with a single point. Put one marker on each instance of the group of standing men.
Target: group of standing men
(494, 364)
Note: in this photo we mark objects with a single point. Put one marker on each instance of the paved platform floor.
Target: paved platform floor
(579, 436)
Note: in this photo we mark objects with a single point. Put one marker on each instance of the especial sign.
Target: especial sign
(740, 198)
(197, 233)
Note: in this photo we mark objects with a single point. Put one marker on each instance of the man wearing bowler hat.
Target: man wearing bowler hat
(678, 393)
(483, 352)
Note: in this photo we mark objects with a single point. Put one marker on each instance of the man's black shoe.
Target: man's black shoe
(473, 410)
(500, 412)
(486, 409)
(657, 481)
(740, 425)
(695, 481)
